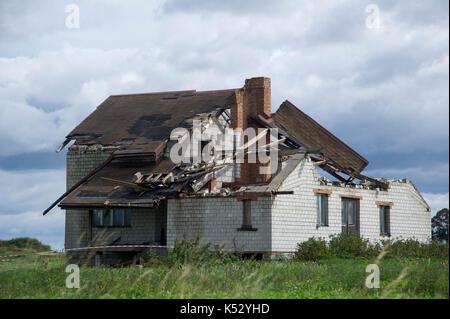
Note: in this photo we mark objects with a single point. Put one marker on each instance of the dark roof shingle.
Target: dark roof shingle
(313, 135)
(141, 122)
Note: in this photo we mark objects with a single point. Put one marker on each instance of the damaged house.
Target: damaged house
(125, 193)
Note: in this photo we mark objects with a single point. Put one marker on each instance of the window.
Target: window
(322, 209)
(111, 217)
(247, 216)
(351, 212)
(350, 215)
(348, 212)
(385, 220)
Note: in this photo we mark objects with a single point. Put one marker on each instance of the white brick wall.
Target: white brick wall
(216, 221)
(282, 221)
(294, 216)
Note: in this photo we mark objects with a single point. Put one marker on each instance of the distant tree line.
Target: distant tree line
(439, 226)
(24, 243)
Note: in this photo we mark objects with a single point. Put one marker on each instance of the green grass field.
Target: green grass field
(35, 276)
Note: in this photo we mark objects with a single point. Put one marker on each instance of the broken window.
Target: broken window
(322, 209)
(385, 220)
(111, 218)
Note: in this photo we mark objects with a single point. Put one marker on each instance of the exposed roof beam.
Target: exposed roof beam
(330, 171)
(123, 183)
(63, 144)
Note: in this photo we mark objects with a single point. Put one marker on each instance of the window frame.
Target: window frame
(322, 210)
(385, 220)
(100, 213)
(247, 216)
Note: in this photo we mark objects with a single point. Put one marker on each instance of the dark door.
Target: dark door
(350, 216)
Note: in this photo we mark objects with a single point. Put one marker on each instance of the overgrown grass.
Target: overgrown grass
(191, 252)
(45, 276)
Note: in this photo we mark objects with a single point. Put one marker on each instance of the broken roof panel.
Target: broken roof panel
(96, 191)
(311, 134)
(140, 123)
(116, 185)
(139, 182)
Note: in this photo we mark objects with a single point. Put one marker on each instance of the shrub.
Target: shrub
(313, 249)
(436, 249)
(345, 246)
(415, 249)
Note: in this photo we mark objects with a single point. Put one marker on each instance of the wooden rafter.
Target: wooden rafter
(123, 183)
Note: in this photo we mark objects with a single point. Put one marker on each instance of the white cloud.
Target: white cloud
(321, 57)
(30, 190)
(397, 75)
(48, 229)
(25, 195)
(436, 201)
(38, 110)
(412, 173)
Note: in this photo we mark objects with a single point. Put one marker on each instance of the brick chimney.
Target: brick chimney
(257, 95)
(250, 101)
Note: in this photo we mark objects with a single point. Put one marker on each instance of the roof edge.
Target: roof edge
(173, 92)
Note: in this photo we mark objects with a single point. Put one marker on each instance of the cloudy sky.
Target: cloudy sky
(381, 84)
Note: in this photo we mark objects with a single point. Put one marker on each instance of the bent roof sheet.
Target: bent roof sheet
(96, 191)
(143, 121)
(313, 135)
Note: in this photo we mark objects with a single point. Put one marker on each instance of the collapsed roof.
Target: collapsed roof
(138, 127)
(117, 183)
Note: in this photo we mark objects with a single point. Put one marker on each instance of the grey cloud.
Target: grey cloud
(436, 201)
(307, 50)
(44, 103)
(30, 190)
(48, 229)
(232, 6)
(418, 12)
(420, 176)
